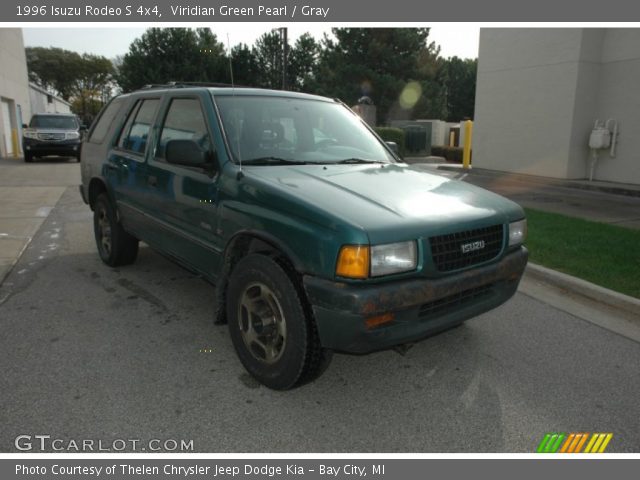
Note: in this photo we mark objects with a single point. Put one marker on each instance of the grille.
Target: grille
(51, 136)
(456, 300)
(454, 251)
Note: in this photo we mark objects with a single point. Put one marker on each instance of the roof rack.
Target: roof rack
(187, 85)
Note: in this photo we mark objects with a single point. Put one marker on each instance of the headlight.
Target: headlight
(29, 134)
(393, 258)
(73, 135)
(517, 232)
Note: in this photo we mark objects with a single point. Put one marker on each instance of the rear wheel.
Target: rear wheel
(272, 329)
(115, 246)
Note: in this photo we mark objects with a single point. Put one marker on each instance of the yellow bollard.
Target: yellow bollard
(452, 139)
(466, 153)
(16, 142)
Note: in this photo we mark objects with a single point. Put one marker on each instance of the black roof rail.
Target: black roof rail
(187, 85)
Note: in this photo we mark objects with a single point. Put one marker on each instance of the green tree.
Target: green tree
(245, 66)
(54, 69)
(162, 55)
(303, 62)
(267, 52)
(84, 80)
(376, 62)
(459, 78)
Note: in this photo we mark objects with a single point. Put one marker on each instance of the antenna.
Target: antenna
(233, 94)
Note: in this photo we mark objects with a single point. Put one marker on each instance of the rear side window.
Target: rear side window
(136, 131)
(105, 121)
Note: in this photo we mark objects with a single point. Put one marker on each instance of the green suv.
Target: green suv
(316, 235)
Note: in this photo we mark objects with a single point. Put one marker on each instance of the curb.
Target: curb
(618, 301)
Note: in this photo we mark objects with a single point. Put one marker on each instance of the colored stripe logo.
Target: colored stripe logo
(574, 443)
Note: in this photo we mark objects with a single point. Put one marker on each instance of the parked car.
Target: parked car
(317, 237)
(52, 134)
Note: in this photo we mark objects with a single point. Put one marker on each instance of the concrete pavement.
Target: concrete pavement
(604, 202)
(28, 192)
(95, 352)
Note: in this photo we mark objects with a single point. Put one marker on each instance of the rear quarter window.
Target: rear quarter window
(105, 120)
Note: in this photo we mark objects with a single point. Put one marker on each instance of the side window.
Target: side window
(184, 121)
(136, 131)
(104, 122)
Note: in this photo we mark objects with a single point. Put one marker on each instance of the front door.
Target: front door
(185, 198)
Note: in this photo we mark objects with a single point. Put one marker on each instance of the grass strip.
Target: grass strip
(606, 255)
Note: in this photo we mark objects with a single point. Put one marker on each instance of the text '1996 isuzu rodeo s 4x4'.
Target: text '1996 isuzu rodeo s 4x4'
(316, 235)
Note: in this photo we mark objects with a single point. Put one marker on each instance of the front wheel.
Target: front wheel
(115, 246)
(272, 330)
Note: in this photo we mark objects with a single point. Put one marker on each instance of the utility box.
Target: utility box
(600, 138)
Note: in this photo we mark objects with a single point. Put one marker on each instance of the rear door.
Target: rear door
(183, 200)
(126, 168)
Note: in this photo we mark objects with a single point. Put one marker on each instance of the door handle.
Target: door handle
(153, 181)
(117, 166)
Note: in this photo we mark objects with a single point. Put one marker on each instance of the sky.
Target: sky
(457, 40)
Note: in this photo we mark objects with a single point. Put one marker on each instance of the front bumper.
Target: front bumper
(70, 148)
(421, 307)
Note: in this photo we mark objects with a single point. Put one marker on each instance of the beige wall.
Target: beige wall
(619, 98)
(13, 78)
(539, 92)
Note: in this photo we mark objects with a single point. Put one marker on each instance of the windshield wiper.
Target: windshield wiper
(357, 160)
(272, 161)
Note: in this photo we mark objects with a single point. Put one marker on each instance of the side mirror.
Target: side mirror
(393, 146)
(188, 153)
(83, 128)
(24, 125)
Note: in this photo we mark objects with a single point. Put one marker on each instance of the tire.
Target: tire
(284, 351)
(28, 157)
(115, 246)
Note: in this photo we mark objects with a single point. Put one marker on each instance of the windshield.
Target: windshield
(270, 130)
(54, 121)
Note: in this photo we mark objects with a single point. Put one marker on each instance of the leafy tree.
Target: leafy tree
(376, 62)
(303, 62)
(84, 80)
(245, 66)
(54, 69)
(162, 55)
(459, 78)
(267, 52)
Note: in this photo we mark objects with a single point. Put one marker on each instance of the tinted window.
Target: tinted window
(104, 121)
(136, 131)
(54, 121)
(184, 121)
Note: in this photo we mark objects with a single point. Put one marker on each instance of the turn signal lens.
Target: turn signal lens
(353, 261)
(373, 322)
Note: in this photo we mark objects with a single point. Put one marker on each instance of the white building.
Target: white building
(539, 93)
(44, 102)
(14, 91)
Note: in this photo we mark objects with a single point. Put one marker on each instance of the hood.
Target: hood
(391, 202)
